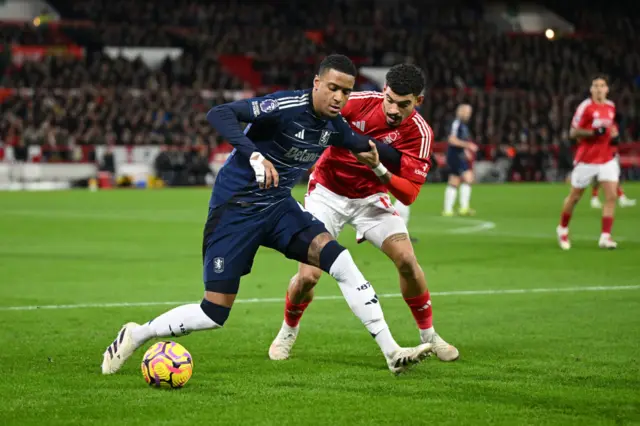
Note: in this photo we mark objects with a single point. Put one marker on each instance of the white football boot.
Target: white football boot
(282, 344)
(595, 203)
(118, 351)
(626, 202)
(404, 358)
(606, 242)
(443, 350)
(563, 238)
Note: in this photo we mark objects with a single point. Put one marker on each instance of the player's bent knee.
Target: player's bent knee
(610, 193)
(407, 264)
(330, 252)
(308, 277)
(217, 313)
(306, 245)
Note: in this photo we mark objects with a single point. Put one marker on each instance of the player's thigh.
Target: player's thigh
(609, 172)
(320, 204)
(377, 221)
(292, 229)
(454, 179)
(230, 242)
(582, 175)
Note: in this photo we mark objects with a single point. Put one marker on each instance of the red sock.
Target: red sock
(594, 191)
(620, 191)
(293, 313)
(421, 309)
(565, 219)
(607, 224)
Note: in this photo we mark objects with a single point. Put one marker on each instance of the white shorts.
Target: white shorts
(374, 218)
(583, 174)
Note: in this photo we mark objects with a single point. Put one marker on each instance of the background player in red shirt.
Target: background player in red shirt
(343, 190)
(593, 125)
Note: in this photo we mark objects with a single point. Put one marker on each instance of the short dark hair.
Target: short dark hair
(339, 63)
(600, 76)
(406, 79)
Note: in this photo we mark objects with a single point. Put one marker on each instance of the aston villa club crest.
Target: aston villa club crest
(218, 265)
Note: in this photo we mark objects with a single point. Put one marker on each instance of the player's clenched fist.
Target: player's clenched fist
(266, 174)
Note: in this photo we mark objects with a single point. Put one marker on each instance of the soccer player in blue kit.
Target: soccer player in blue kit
(251, 206)
(460, 173)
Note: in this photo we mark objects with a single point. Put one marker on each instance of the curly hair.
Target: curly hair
(406, 79)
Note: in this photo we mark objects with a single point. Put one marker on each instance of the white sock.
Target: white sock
(403, 211)
(427, 334)
(450, 194)
(387, 343)
(465, 195)
(363, 301)
(176, 322)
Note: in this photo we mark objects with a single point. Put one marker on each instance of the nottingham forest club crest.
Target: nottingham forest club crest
(391, 137)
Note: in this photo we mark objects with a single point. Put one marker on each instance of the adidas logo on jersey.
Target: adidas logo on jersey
(359, 125)
(300, 134)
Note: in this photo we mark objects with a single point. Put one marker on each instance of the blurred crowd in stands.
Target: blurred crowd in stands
(524, 89)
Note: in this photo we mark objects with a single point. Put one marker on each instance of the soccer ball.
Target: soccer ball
(167, 365)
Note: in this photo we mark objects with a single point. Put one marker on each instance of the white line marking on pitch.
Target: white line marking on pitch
(335, 297)
(474, 225)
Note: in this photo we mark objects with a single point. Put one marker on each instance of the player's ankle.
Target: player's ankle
(387, 343)
(142, 334)
(427, 333)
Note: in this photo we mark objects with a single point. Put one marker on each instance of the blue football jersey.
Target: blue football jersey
(460, 130)
(286, 132)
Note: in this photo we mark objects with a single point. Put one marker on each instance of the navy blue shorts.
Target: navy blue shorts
(457, 163)
(233, 234)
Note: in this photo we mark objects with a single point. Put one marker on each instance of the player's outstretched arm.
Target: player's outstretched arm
(356, 143)
(403, 189)
(226, 120)
(579, 133)
(456, 141)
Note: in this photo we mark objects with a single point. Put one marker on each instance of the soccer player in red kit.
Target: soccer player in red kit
(345, 189)
(593, 125)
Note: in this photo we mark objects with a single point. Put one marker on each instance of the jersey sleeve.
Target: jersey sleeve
(416, 149)
(455, 129)
(226, 118)
(269, 107)
(581, 119)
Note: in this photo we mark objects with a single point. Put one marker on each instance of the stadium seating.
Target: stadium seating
(524, 88)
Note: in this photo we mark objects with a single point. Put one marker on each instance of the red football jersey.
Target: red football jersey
(340, 172)
(591, 115)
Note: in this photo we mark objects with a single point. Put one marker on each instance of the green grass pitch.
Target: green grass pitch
(546, 337)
